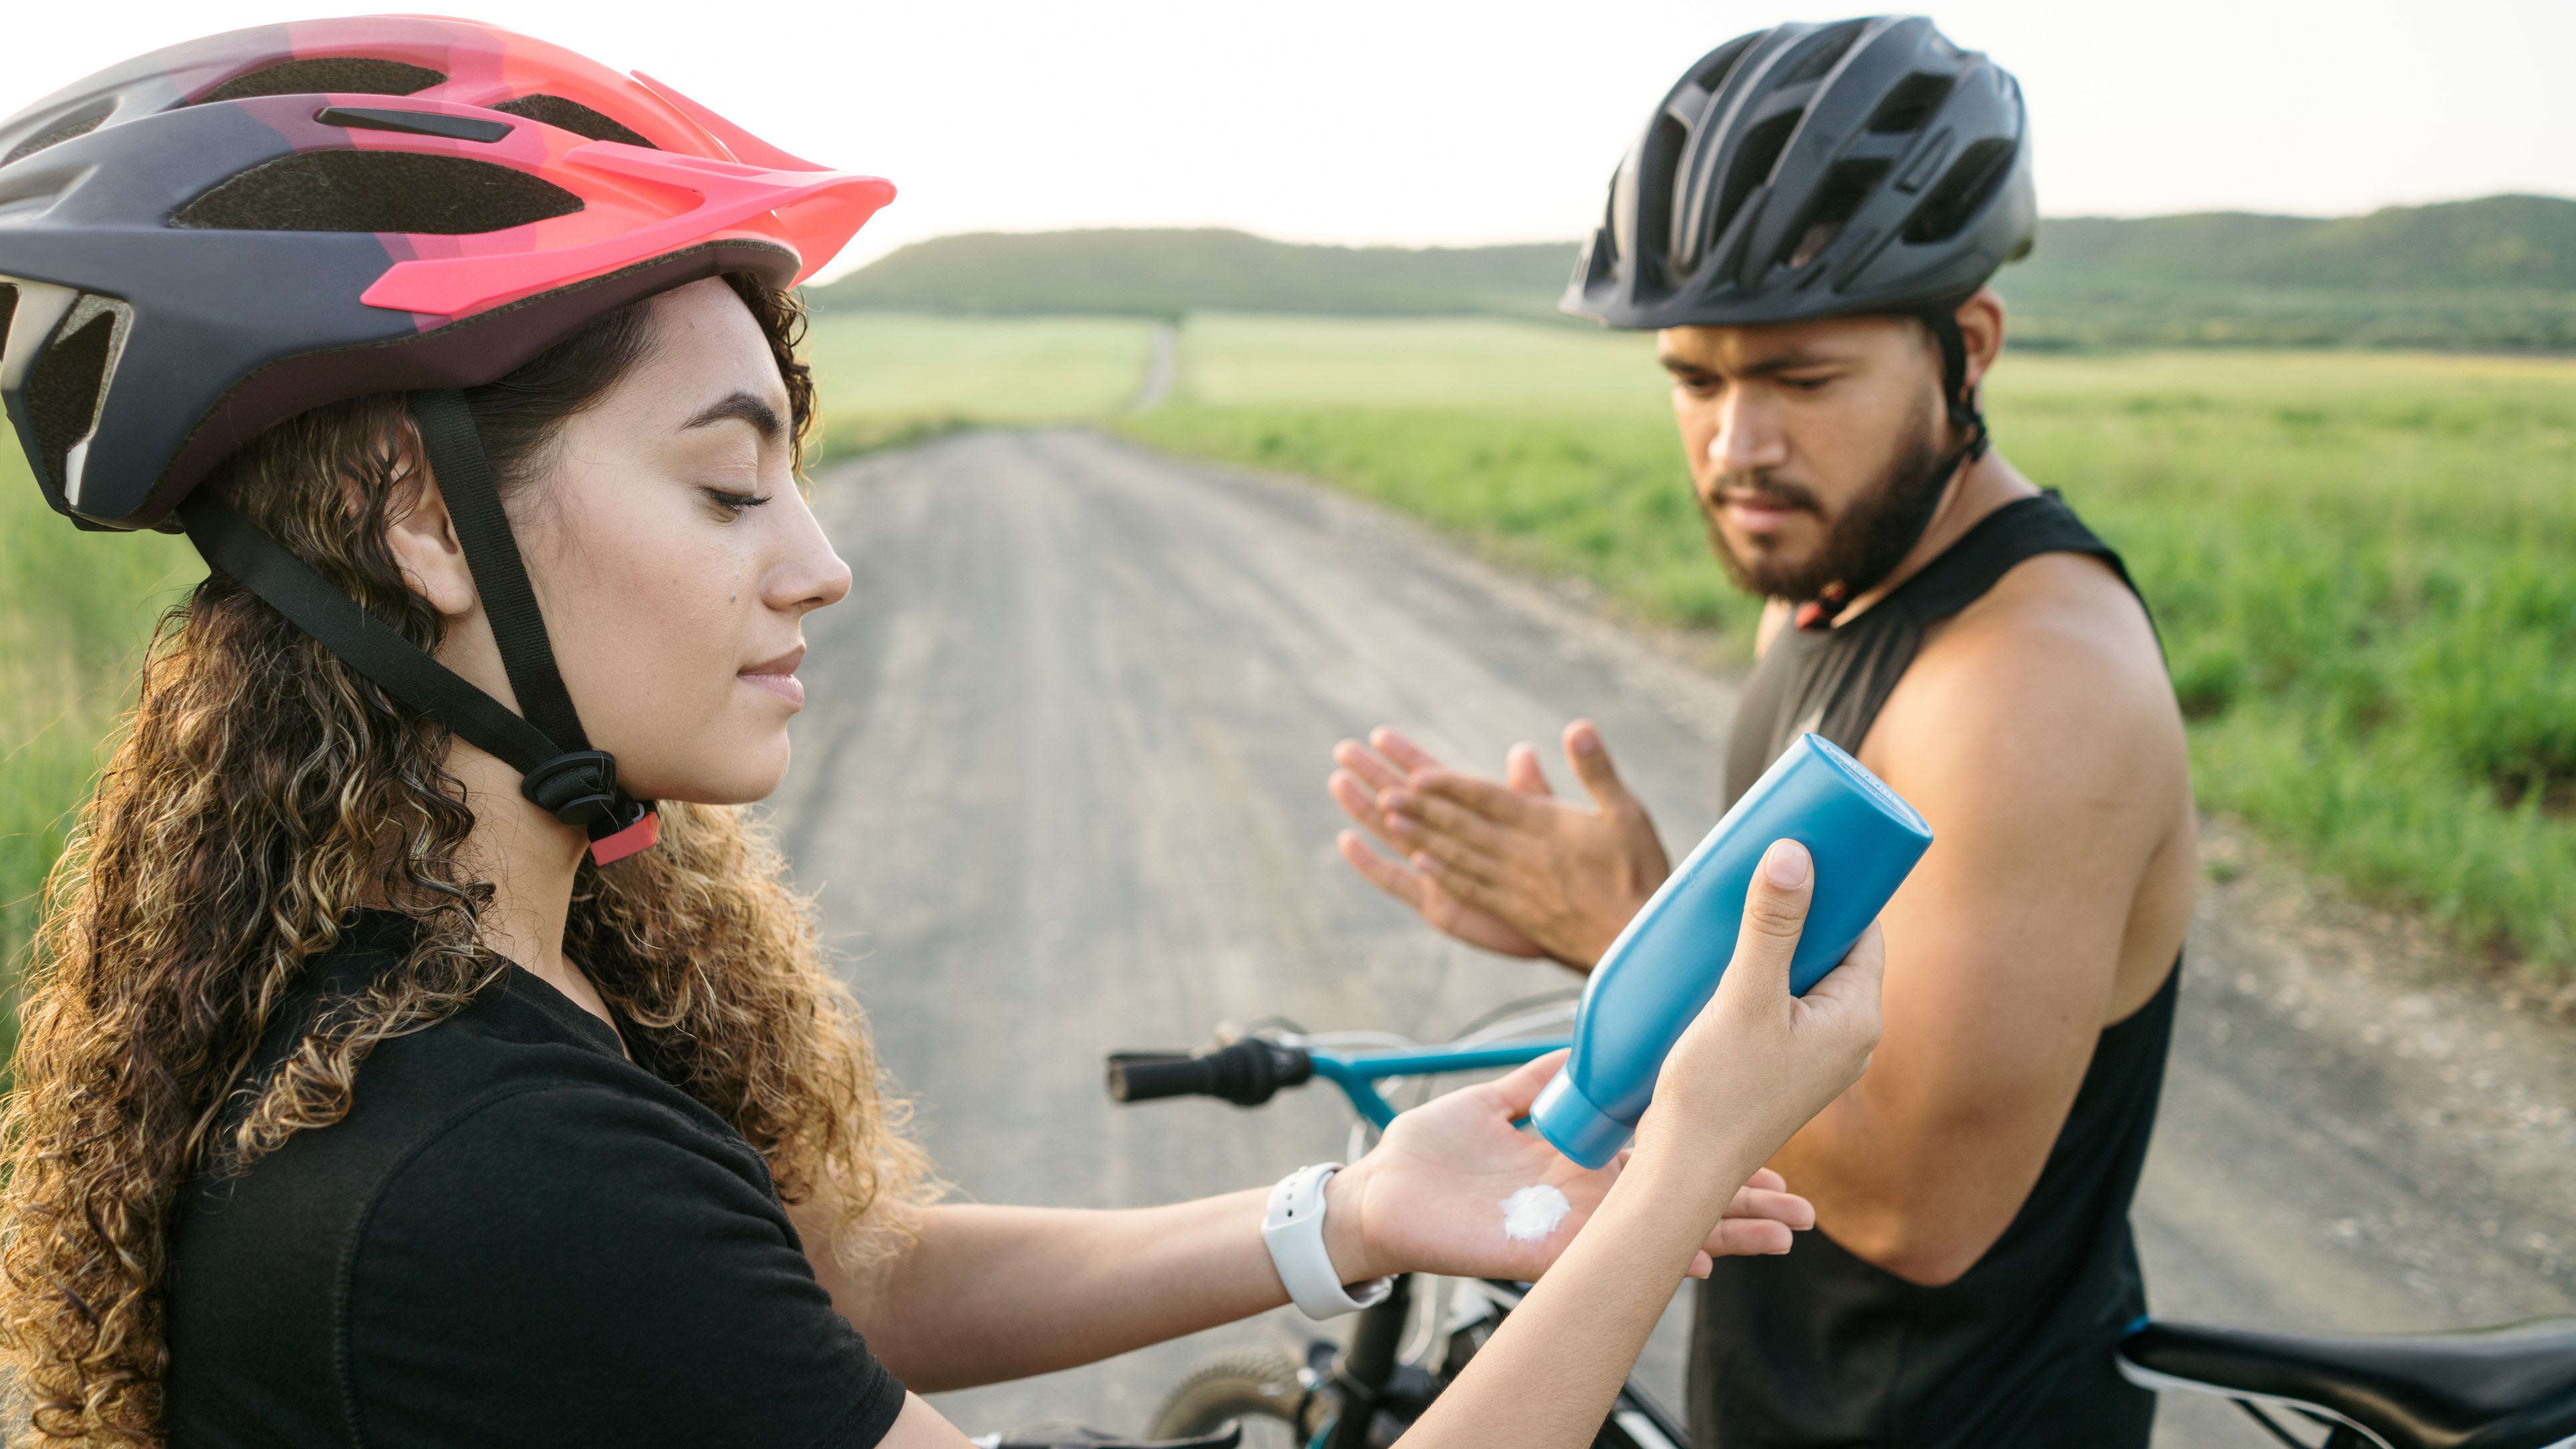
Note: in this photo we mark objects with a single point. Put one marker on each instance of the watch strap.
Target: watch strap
(1293, 1229)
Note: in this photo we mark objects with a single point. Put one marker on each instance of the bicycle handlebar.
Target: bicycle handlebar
(1248, 1073)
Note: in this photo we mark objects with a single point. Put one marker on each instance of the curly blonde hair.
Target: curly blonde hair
(262, 795)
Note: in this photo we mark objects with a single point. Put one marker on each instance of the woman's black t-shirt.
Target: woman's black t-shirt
(516, 1236)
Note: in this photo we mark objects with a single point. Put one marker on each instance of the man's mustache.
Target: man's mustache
(1771, 491)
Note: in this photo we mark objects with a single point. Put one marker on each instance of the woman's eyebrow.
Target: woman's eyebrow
(742, 407)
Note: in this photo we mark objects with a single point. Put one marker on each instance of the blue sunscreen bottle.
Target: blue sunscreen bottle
(1664, 967)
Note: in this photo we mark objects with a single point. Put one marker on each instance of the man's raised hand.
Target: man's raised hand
(1502, 864)
(1368, 771)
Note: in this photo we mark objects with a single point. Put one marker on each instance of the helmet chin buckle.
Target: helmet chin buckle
(580, 788)
(632, 840)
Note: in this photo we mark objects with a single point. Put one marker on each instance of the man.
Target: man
(1808, 224)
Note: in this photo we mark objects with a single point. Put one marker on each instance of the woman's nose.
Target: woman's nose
(812, 576)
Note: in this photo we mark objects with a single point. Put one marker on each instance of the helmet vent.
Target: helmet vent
(377, 191)
(1846, 187)
(77, 126)
(344, 74)
(1656, 165)
(1718, 64)
(1760, 152)
(571, 116)
(1961, 193)
(62, 391)
(8, 312)
(1822, 51)
(1909, 104)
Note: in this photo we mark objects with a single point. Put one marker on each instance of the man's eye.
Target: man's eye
(734, 503)
(1806, 384)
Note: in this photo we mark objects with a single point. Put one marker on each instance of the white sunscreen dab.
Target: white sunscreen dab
(1533, 1212)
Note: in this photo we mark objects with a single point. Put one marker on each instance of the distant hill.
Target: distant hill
(1167, 273)
(2493, 273)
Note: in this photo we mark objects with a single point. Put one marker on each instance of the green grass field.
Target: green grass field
(2361, 561)
(2364, 564)
(887, 378)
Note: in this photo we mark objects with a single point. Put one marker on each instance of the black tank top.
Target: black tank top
(1820, 1348)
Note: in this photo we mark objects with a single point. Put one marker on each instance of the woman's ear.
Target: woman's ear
(420, 536)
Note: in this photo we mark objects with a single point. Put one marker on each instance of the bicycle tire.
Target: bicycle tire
(1254, 1386)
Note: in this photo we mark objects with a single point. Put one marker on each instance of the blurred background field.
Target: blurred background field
(2361, 560)
(75, 610)
(894, 377)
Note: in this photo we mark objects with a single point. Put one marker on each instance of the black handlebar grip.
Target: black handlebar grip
(1247, 1073)
(1144, 1076)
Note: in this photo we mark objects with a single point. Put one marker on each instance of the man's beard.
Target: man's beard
(1861, 547)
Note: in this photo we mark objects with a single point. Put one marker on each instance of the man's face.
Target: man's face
(1815, 447)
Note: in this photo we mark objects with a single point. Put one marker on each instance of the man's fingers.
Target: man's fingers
(1491, 799)
(1371, 767)
(1521, 772)
(1749, 1238)
(1359, 802)
(1461, 869)
(1462, 884)
(1407, 755)
(1590, 757)
(1437, 815)
(1387, 875)
(1778, 1207)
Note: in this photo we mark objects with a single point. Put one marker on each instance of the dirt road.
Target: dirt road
(1060, 786)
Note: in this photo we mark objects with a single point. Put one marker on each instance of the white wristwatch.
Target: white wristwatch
(1293, 1228)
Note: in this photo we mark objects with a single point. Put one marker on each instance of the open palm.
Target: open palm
(1430, 1196)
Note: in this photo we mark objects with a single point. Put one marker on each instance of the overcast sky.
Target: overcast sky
(1461, 123)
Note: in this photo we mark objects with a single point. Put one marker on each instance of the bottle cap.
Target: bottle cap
(1575, 1127)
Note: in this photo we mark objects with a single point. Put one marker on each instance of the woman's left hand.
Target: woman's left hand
(1430, 1197)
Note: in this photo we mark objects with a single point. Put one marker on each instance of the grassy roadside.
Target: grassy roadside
(75, 610)
(2361, 563)
(891, 379)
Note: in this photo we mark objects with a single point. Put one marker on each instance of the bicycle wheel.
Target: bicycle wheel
(1261, 1389)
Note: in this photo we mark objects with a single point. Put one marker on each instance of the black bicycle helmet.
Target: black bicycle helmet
(208, 240)
(1867, 166)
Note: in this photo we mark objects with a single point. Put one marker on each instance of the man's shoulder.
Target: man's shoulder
(2055, 672)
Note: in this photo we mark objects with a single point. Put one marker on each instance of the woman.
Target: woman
(384, 1077)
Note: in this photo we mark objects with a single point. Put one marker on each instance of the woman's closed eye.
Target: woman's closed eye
(733, 503)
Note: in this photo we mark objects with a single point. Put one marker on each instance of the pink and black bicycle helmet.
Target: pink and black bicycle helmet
(206, 241)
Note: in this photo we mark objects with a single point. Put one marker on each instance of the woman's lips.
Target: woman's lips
(778, 676)
(786, 686)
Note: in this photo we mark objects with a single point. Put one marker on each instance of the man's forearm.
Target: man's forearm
(992, 1293)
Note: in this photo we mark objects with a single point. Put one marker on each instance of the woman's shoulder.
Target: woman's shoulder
(508, 1203)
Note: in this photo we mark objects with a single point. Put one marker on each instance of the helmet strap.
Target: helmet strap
(1965, 418)
(1956, 395)
(560, 772)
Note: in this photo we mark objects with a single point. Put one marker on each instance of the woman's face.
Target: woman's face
(675, 559)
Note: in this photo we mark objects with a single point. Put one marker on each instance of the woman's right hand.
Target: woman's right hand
(1759, 1062)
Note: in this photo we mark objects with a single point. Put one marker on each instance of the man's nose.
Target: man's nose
(1748, 437)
